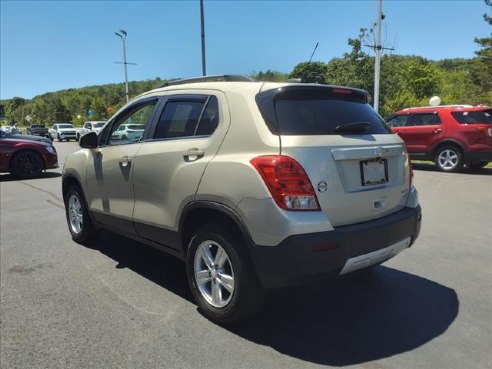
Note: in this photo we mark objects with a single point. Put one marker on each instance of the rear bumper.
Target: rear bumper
(306, 257)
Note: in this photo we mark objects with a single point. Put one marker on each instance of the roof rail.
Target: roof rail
(441, 106)
(219, 78)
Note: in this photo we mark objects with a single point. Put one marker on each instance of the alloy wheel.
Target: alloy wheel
(75, 214)
(213, 274)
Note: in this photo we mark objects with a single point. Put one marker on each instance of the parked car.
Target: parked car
(451, 135)
(26, 156)
(91, 126)
(128, 132)
(63, 131)
(37, 130)
(255, 185)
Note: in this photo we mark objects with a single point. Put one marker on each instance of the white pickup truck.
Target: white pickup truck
(62, 131)
(91, 126)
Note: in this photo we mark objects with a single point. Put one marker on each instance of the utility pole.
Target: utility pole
(204, 67)
(377, 60)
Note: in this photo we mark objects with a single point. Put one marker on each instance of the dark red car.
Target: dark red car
(449, 135)
(26, 156)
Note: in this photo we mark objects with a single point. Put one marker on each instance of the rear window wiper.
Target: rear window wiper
(356, 127)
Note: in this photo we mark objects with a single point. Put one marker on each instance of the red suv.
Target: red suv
(449, 135)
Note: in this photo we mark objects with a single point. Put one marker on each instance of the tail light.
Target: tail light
(287, 182)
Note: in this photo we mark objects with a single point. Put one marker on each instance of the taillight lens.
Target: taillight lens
(287, 181)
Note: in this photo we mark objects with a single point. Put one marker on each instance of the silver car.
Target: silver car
(255, 185)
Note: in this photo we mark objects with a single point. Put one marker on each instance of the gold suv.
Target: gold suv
(254, 185)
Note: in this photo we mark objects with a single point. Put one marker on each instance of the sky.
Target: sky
(47, 46)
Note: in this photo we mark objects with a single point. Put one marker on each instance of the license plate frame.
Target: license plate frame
(373, 172)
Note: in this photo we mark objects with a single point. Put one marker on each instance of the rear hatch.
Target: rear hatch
(358, 168)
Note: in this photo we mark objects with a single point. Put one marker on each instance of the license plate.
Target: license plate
(374, 172)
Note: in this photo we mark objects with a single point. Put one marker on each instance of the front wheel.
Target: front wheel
(27, 164)
(220, 277)
(78, 219)
(59, 138)
(449, 158)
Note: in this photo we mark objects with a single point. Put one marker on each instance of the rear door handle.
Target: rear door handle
(193, 155)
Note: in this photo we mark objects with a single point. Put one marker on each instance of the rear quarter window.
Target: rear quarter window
(473, 117)
(317, 111)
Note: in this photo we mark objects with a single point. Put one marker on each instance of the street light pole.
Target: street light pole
(202, 18)
(122, 34)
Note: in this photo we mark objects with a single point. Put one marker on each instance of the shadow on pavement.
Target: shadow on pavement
(370, 316)
(155, 265)
(430, 167)
(374, 315)
(7, 177)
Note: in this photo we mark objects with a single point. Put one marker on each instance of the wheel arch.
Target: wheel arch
(23, 150)
(446, 143)
(70, 180)
(202, 212)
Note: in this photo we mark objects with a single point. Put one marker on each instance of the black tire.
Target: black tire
(27, 164)
(59, 138)
(449, 158)
(247, 296)
(124, 137)
(51, 138)
(76, 208)
(477, 165)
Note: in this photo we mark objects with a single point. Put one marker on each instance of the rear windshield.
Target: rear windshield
(473, 117)
(319, 111)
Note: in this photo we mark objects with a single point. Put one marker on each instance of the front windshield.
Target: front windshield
(65, 126)
(99, 125)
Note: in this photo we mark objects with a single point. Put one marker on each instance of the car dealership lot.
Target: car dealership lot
(125, 305)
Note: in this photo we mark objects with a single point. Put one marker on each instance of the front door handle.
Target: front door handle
(124, 161)
(193, 154)
(437, 130)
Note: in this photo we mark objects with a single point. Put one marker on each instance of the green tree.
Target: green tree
(310, 72)
(481, 70)
(270, 76)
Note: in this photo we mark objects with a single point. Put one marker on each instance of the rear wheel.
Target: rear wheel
(78, 219)
(220, 277)
(27, 164)
(449, 158)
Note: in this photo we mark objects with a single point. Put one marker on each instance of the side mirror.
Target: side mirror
(88, 141)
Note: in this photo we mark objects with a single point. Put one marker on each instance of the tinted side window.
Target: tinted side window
(398, 121)
(209, 119)
(473, 117)
(430, 119)
(187, 118)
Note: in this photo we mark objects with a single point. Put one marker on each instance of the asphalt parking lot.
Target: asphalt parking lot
(125, 305)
